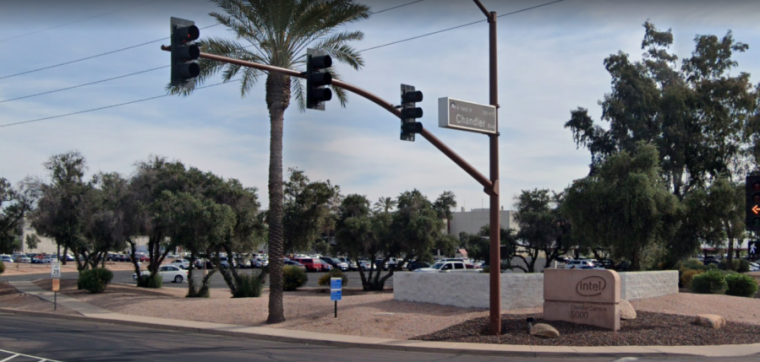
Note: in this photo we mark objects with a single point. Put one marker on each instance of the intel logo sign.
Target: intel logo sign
(590, 286)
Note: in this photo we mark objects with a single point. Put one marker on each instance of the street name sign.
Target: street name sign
(466, 116)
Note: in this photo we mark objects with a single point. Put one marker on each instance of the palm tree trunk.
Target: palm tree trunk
(278, 99)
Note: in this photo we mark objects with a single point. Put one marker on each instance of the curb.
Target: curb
(415, 346)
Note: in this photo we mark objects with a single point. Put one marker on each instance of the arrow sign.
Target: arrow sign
(756, 209)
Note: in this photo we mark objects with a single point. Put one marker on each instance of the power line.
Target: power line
(77, 21)
(141, 44)
(457, 27)
(85, 84)
(395, 7)
(92, 56)
(105, 107)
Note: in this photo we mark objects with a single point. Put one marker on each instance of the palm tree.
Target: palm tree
(385, 204)
(277, 33)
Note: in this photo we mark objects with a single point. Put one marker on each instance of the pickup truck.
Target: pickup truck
(448, 267)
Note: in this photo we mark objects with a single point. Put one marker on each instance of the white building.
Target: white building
(471, 221)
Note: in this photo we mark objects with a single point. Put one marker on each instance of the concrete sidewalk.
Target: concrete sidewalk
(293, 336)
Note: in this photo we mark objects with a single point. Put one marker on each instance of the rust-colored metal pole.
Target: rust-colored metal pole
(472, 171)
(495, 240)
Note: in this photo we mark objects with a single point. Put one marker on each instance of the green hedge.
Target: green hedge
(94, 280)
(324, 280)
(741, 285)
(249, 285)
(294, 278)
(709, 282)
(146, 281)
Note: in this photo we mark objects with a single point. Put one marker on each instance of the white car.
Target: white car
(753, 267)
(581, 264)
(168, 273)
(448, 267)
(181, 263)
(7, 259)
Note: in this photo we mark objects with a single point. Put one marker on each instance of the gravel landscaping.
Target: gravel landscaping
(12, 299)
(648, 329)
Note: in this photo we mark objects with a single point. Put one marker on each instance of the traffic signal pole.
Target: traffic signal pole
(491, 187)
(493, 192)
(472, 171)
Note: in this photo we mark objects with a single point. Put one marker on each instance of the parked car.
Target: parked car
(181, 263)
(582, 264)
(448, 267)
(311, 264)
(351, 264)
(364, 264)
(335, 263)
(710, 259)
(294, 263)
(259, 263)
(168, 273)
(412, 265)
(47, 260)
(21, 258)
(6, 259)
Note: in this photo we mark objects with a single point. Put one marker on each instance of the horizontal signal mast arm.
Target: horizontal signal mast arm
(375, 99)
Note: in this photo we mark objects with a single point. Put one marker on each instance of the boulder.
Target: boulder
(626, 310)
(713, 321)
(544, 330)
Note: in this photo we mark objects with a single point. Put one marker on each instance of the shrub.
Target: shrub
(741, 285)
(249, 285)
(94, 280)
(711, 267)
(294, 278)
(486, 269)
(688, 276)
(743, 266)
(146, 281)
(723, 263)
(709, 282)
(324, 281)
(2, 267)
(693, 264)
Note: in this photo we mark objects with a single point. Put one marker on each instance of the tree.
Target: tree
(14, 205)
(625, 206)
(279, 32)
(59, 213)
(306, 210)
(696, 116)
(385, 204)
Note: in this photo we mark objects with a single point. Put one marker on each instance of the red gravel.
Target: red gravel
(648, 329)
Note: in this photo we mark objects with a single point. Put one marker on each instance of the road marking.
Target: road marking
(14, 355)
(626, 359)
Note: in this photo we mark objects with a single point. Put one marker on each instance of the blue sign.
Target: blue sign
(335, 295)
(336, 283)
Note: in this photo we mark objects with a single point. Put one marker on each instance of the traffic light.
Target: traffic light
(184, 53)
(753, 203)
(410, 112)
(317, 79)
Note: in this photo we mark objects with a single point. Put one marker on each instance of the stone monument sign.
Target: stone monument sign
(583, 296)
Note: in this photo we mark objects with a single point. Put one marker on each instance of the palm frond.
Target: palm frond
(336, 47)
(339, 92)
(297, 88)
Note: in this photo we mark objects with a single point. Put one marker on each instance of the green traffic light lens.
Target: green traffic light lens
(756, 221)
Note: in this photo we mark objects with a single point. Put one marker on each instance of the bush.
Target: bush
(249, 285)
(741, 285)
(294, 278)
(324, 281)
(743, 266)
(688, 276)
(486, 269)
(146, 281)
(723, 263)
(2, 267)
(692, 264)
(711, 267)
(709, 282)
(94, 280)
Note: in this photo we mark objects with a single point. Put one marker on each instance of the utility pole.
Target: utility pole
(495, 262)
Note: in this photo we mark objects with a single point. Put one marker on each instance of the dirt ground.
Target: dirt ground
(11, 298)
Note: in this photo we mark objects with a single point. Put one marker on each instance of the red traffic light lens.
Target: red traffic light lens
(756, 186)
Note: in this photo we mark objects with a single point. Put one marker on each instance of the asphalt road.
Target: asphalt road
(217, 281)
(73, 340)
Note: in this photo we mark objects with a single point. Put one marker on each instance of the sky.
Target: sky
(550, 62)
